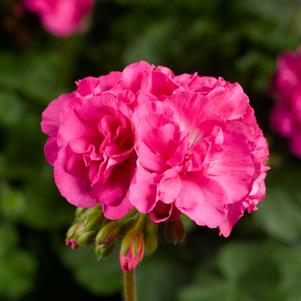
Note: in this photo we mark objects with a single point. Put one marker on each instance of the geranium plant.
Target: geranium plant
(142, 147)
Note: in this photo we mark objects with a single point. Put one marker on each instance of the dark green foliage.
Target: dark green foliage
(236, 39)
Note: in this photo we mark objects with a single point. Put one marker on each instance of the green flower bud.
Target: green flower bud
(151, 244)
(83, 213)
(126, 242)
(93, 221)
(131, 250)
(126, 226)
(85, 238)
(150, 236)
(174, 232)
(79, 212)
(71, 231)
(107, 234)
(104, 250)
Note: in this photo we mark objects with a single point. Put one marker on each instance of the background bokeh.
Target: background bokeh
(238, 40)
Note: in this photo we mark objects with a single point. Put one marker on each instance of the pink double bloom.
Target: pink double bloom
(144, 138)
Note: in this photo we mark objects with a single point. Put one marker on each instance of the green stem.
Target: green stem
(129, 286)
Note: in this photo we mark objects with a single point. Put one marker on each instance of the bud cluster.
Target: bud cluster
(86, 224)
(137, 235)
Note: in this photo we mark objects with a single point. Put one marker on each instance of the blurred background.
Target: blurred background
(238, 40)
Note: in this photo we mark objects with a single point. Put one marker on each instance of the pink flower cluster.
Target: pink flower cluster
(286, 115)
(145, 138)
(61, 17)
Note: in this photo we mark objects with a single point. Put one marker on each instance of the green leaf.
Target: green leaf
(44, 208)
(235, 259)
(159, 278)
(289, 260)
(210, 290)
(100, 277)
(12, 202)
(16, 273)
(242, 272)
(279, 214)
(148, 45)
(17, 266)
(8, 238)
(11, 108)
(37, 75)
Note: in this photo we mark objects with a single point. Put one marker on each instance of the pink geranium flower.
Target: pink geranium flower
(161, 143)
(286, 115)
(200, 152)
(61, 17)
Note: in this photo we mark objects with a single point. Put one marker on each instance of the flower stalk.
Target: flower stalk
(129, 286)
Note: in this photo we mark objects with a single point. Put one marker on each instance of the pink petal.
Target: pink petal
(227, 102)
(134, 74)
(119, 211)
(169, 187)
(235, 212)
(162, 212)
(143, 190)
(88, 86)
(51, 150)
(148, 159)
(78, 121)
(51, 115)
(160, 85)
(71, 180)
(232, 168)
(202, 200)
(189, 109)
(113, 190)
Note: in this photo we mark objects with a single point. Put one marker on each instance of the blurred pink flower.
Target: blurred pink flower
(200, 152)
(286, 114)
(61, 17)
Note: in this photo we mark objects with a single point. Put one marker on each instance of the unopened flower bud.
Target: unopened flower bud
(85, 238)
(71, 243)
(174, 232)
(71, 231)
(82, 213)
(131, 251)
(107, 233)
(93, 220)
(104, 250)
(151, 244)
(150, 237)
(79, 212)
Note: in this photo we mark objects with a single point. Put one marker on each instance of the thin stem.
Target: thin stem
(129, 286)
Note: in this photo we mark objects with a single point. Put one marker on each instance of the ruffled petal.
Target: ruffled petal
(51, 115)
(233, 167)
(202, 200)
(143, 190)
(51, 150)
(71, 178)
(134, 74)
(113, 212)
(235, 212)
